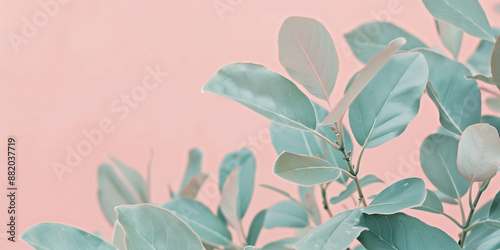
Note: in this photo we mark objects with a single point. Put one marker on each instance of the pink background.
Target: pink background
(65, 78)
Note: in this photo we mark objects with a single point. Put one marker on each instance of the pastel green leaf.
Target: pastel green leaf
(286, 214)
(364, 76)
(369, 39)
(193, 186)
(494, 212)
(134, 179)
(480, 61)
(284, 244)
(482, 234)
(479, 153)
(458, 99)
(306, 143)
(256, 227)
(118, 237)
(57, 236)
(351, 188)
(385, 107)
(494, 104)
(451, 37)
(431, 204)
(203, 222)
(336, 233)
(406, 193)
(495, 63)
(244, 160)
(485, 79)
(401, 231)
(308, 54)
(307, 199)
(193, 168)
(445, 198)
(467, 15)
(264, 91)
(305, 170)
(492, 120)
(113, 191)
(438, 157)
(152, 227)
(229, 201)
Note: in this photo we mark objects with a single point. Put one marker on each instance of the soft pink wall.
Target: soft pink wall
(66, 77)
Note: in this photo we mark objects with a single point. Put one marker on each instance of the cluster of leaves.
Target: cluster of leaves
(315, 149)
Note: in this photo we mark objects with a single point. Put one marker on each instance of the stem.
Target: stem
(325, 139)
(360, 191)
(452, 219)
(356, 170)
(472, 209)
(149, 174)
(325, 202)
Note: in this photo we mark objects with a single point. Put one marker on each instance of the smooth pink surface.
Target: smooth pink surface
(65, 79)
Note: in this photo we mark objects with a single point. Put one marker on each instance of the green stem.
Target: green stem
(471, 212)
(336, 147)
(326, 206)
(452, 219)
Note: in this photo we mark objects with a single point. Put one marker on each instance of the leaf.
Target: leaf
(369, 39)
(193, 186)
(406, 193)
(495, 63)
(467, 15)
(385, 107)
(307, 199)
(479, 153)
(364, 76)
(152, 227)
(494, 212)
(306, 143)
(401, 231)
(283, 244)
(492, 120)
(265, 92)
(351, 188)
(480, 61)
(305, 170)
(229, 200)
(337, 233)
(438, 157)
(286, 214)
(482, 234)
(485, 79)
(203, 222)
(308, 54)
(451, 37)
(431, 204)
(48, 235)
(244, 160)
(458, 99)
(256, 227)
(445, 198)
(494, 104)
(134, 179)
(193, 168)
(118, 237)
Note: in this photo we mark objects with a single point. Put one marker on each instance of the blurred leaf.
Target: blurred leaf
(385, 107)
(351, 188)
(438, 157)
(286, 214)
(485, 79)
(479, 153)
(401, 231)
(365, 43)
(364, 76)
(482, 236)
(494, 103)
(305, 170)
(264, 91)
(451, 37)
(229, 200)
(492, 120)
(244, 160)
(307, 199)
(308, 54)
(256, 227)
(203, 222)
(467, 15)
(495, 63)
(193, 168)
(445, 198)
(406, 193)
(337, 233)
(151, 227)
(193, 186)
(480, 61)
(55, 236)
(118, 237)
(284, 244)
(431, 204)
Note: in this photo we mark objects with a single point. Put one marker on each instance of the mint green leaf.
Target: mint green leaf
(118, 237)
(485, 79)
(401, 231)
(482, 234)
(451, 37)
(284, 244)
(264, 91)
(308, 54)
(494, 212)
(444, 197)
(193, 186)
(467, 15)
(244, 160)
(406, 193)
(431, 204)
(203, 222)
(307, 199)
(193, 168)
(336, 233)
(306, 143)
(229, 201)
(57, 236)
(351, 188)
(438, 157)
(495, 63)
(134, 179)
(387, 104)
(305, 170)
(494, 104)
(369, 39)
(151, 227)
(479, 153)
(286, 214)
(364, 76)
(492, 120)
(256, 227)
(480, 61)
(458, 99)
